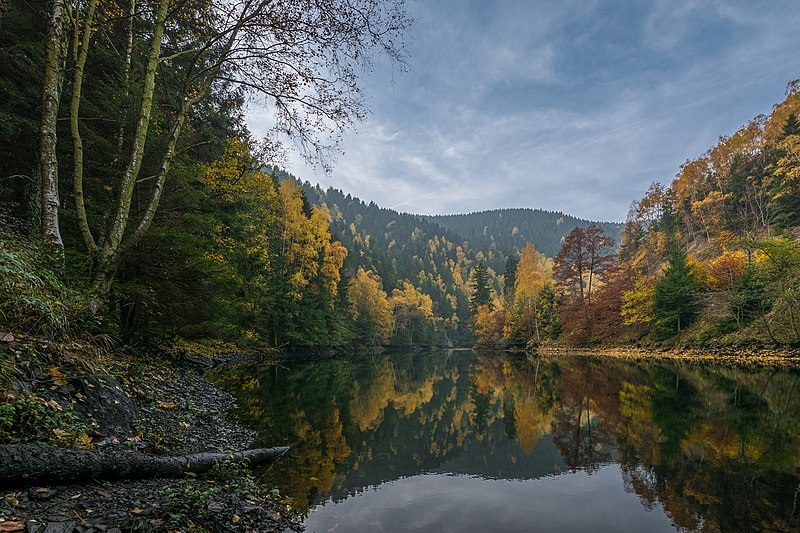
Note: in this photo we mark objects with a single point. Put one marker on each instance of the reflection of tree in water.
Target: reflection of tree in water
(576, 430)
(717, 448)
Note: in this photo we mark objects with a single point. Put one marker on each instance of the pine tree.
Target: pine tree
(510, 278)
(481, 291)
(675, 302)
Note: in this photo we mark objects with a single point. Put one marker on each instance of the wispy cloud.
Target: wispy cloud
(570, 106)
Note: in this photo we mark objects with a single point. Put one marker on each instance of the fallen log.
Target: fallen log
(29, 463)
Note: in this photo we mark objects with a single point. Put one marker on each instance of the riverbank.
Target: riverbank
(73, 395)
(743, 357)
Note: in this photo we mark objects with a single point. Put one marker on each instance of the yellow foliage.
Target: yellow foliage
(699, 271)
(726, 269)
(369, 306)
(637, 303)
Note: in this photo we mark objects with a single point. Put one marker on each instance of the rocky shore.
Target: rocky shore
(71, 395)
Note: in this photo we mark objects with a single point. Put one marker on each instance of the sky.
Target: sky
(572, 106)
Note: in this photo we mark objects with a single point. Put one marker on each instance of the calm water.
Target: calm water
(456, 441)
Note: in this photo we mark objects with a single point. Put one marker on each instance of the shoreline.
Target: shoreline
(748, 357)
(147, 404)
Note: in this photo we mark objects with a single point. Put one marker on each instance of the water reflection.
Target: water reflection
(416, 437)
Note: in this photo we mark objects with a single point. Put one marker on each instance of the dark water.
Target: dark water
(455, 441)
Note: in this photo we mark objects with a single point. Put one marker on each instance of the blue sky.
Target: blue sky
(571, 106)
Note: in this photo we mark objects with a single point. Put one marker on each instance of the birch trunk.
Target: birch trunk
(77, 142)
(126, 76)
(55, 52)
(114, 247)
(109, 254)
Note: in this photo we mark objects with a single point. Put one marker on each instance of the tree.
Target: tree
(533, 274)
(637, 302)
(586, 253)
(675, 299)
(55, 55)
(781, 269)
(305, 57)
(510, 279)
(481, 290)
(413, 316)
(785, 174)
(369, 307)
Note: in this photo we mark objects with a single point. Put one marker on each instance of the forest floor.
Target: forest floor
(70, 395)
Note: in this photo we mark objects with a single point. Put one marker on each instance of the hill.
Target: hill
(509, 230)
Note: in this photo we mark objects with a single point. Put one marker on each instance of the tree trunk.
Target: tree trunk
(30, 463)
(55, 53)
(126, 77)
(77, 142)
(117, 227)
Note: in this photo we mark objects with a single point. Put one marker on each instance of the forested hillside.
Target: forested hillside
(713, 258)
(132, 203)
(509, 230)
(142, 207)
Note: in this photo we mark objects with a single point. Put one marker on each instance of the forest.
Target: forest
(179, 310)
(144, 209)
(711, 259)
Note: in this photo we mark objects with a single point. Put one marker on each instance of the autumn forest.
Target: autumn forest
(143, 207)
(192, 293)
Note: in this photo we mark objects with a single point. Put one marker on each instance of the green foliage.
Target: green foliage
(32, 297)
(510, 278)
(26, 417)
(750, 297)
(481, 290)
(508, 230)
(548, 313)
(675, 299)
(187, 500)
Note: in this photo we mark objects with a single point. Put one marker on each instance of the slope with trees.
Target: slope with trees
(509, 230)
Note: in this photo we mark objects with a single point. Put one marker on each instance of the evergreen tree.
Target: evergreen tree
(675, 300)
(481, 290)
(510, 278)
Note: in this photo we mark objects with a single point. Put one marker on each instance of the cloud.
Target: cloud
(565, 106)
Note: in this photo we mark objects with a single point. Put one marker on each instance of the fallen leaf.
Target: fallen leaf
(12, 526)
(137, 510)
(235, 519)
(167, 405)
(60, 433)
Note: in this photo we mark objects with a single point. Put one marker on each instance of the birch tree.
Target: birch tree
(55, 55)
(304, 58)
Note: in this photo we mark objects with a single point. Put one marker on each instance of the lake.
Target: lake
(458, 441)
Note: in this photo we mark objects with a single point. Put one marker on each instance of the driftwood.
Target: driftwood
(28, 463)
